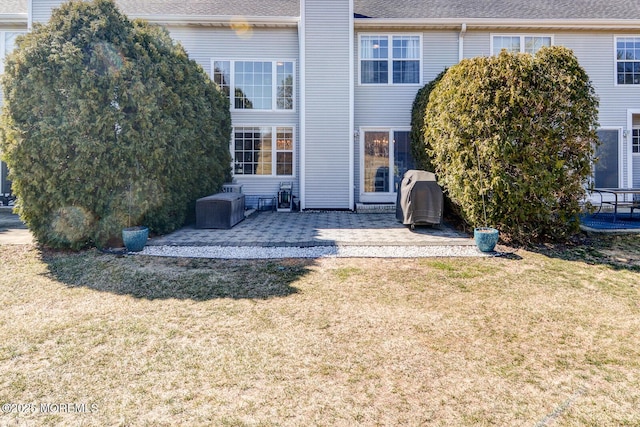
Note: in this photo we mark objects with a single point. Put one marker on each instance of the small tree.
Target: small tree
(107, 123)
(513, 136)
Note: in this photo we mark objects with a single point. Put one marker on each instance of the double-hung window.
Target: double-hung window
(256, 85)
(520, 43)
(628, 60)
(635, 140)
(264, 150)
(390, 59)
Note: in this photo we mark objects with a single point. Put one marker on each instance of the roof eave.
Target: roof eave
(220, 21)
(488, 23)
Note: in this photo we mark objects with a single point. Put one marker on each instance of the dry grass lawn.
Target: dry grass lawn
(534, 339)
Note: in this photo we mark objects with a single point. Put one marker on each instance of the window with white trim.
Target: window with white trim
(390, 59)
(520, 43)
(628, 60)
(263, 150)
(257, 85)
(7, 44)
(635, 140)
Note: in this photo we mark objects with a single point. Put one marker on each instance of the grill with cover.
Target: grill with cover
(419, 199)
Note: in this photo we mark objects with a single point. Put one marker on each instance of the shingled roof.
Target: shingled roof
(13, 6)
(383, 9)
(488, 9)
(255, 8)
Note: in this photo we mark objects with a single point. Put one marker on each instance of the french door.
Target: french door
(385, 156)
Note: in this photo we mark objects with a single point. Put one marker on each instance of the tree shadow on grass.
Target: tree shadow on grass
(176, 278)
(616, 251)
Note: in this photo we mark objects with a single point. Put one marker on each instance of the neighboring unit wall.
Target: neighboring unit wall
(205, 45)
(327, 169)
(596, 53)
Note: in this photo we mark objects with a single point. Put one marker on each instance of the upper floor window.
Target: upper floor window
(257, 85)
(628, 60)
(520, 43)
(635, 140)
(390, 59)
(7, 44)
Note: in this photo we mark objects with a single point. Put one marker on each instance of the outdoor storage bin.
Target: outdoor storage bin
(222, 210)
(420, 199)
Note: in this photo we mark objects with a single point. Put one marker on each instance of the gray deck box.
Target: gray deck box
(222, 210)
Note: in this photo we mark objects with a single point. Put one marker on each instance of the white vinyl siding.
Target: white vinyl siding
(203, 44)
(389, 106)
(328, 128)
(42, 9)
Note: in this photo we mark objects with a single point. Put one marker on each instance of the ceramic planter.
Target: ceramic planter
(486, 238)
(135, 238)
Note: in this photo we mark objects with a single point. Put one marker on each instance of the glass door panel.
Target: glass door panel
(402, 157)
(376, 162)
(607, 168)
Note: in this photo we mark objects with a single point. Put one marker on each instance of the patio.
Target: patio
(317, 228)
(609, 222)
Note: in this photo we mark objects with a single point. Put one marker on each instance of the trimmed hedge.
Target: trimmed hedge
(107, 123)
(518, 130)
(418, 109)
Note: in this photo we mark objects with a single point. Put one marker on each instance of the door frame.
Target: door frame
(386, 197)
(628, 142)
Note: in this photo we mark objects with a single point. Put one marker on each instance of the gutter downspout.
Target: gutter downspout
(30, 15)
(463, 30)
(303, 104)
(352, 186)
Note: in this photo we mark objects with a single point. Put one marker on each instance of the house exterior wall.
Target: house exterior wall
(41, 10)
(206, 44)
(389, 106)
(327, 158)
(332, 107)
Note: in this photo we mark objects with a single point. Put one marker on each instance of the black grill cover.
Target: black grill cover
(419, 199)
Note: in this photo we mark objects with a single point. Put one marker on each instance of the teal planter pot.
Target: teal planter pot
(135, 238)
(486, 238)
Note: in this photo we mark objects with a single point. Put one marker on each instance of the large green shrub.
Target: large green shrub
(518, 130)
(108, 123)
(418, 147)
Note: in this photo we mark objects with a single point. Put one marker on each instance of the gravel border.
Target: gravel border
(250, 252)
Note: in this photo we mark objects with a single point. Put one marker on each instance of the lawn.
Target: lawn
(536, 338)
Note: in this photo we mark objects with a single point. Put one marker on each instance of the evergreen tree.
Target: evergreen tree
(107, 123)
